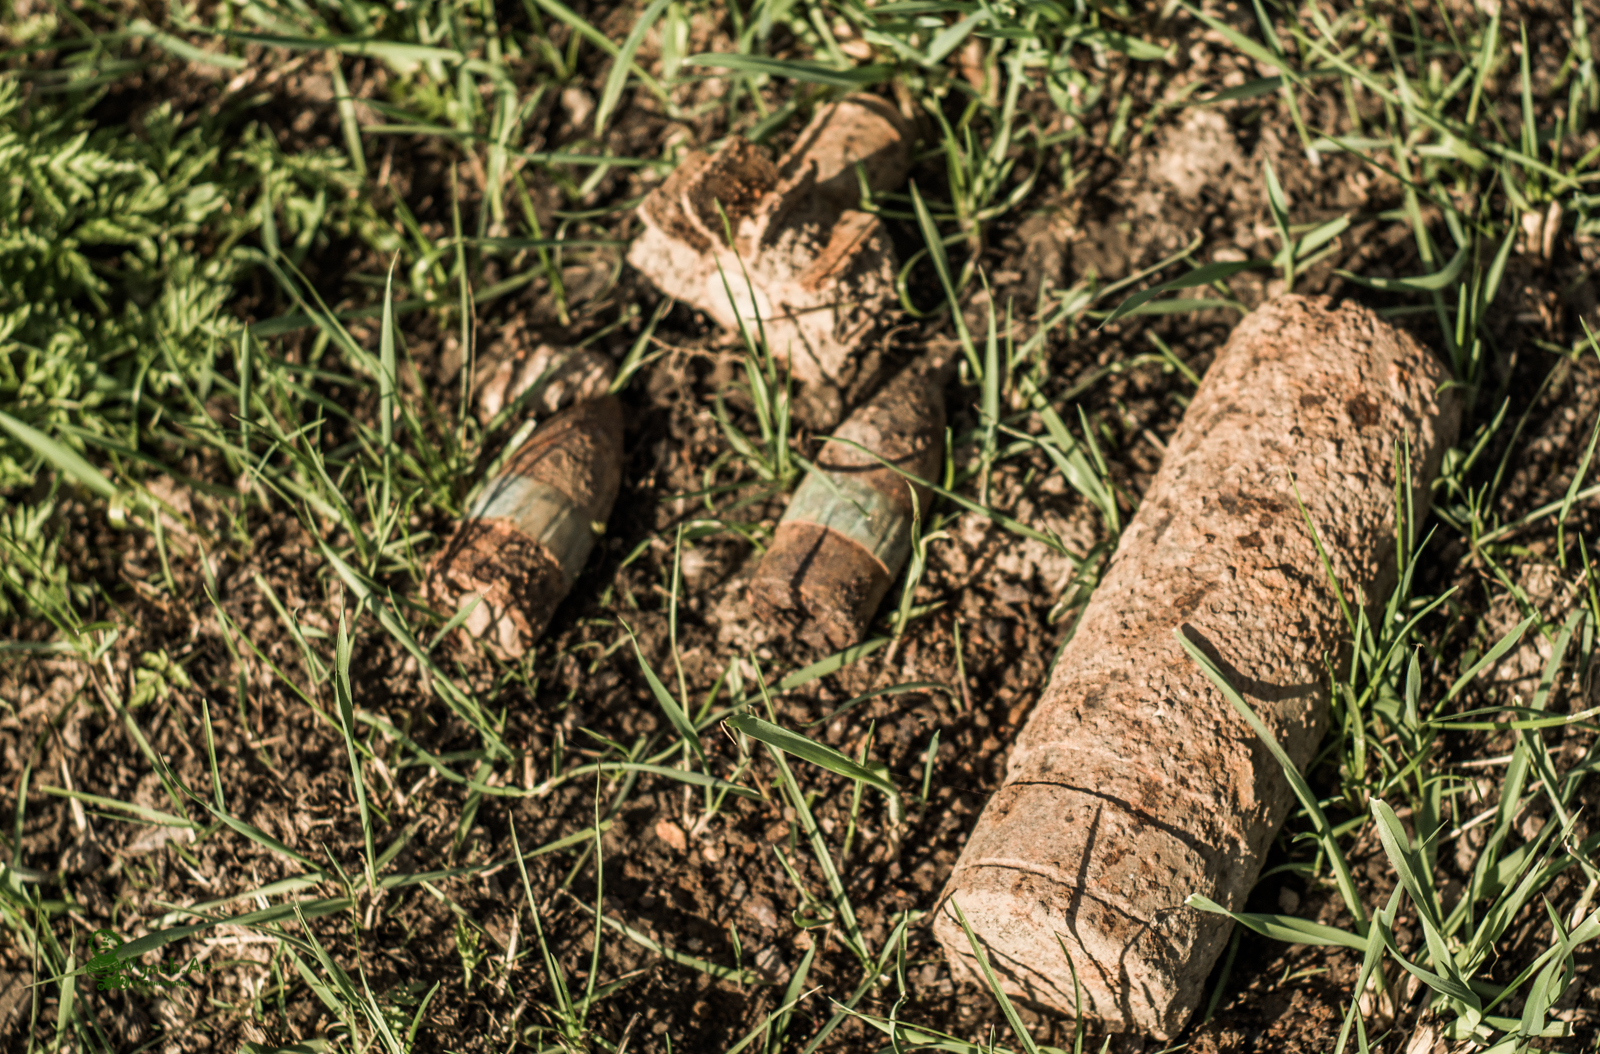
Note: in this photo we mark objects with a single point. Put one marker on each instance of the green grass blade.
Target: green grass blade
(876, 693)
(386, 366)
(617, 79)
(347, 727)
(717, 971)
(557, 977)
(1257, 51)
(1278, 204)
(464, 705)
(565, 14)
(941, 264)
(1284, 928)
(347, 120)
(1418, 883)
(832, 664)
(310, 909)
(675, 713)
(1203, 275)
(1428, 283)
(818, 754)
(65, 459)
(791, 996)
(1582, 470)
(1302, 790)
(181, 48)
(802, 70)
(1492, 656)
(1372, 956)
(148, 815)
(1006, 1007)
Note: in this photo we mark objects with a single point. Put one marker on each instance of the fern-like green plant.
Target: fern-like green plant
(119, 251)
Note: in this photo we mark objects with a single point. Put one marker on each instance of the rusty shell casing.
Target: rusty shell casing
(746, 239)
(847, 530)
(1134, 783)
(526, 537)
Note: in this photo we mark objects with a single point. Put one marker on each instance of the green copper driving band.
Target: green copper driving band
(544, 514)
(854, 508)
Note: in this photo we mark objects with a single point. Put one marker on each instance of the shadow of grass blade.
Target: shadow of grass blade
(1302, 790)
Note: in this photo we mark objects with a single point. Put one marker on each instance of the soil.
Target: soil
(692, 886)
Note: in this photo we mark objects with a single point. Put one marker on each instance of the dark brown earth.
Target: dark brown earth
(688, 885)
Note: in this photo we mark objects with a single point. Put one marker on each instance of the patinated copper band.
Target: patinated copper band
(544, 514)
(857, 510)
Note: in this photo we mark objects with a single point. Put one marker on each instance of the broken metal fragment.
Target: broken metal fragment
(781, 248)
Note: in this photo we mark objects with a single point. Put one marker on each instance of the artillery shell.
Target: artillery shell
(745, 239)
(1134, 784)
(847, 530)
(524, 540)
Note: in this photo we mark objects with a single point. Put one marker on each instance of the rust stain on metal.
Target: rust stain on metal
(846, 536)
(533, 527)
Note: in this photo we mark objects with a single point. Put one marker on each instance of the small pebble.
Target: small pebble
(672, 834)
(760, 909)
(770, 961)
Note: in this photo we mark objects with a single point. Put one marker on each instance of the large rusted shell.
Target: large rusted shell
(845, 537)
(523, 543)
(1134, 784)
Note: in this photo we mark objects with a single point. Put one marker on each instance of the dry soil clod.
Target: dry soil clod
(523, 542)
(1134, 784)
(814, 273)
(847, 530)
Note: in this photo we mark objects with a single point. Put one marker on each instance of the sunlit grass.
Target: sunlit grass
(125, 363)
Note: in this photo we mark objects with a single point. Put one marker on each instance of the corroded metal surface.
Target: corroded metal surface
(528, 535)
(1134, 783)
(833, 558)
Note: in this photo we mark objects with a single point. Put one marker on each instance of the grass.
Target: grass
(139, 411)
